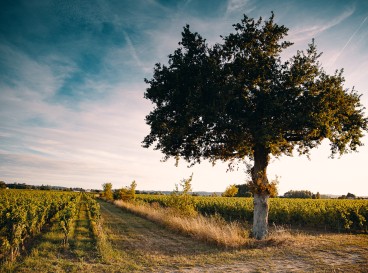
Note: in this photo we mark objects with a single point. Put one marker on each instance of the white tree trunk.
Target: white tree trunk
(260, 218)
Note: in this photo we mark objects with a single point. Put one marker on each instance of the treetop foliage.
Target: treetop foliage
(221, 102)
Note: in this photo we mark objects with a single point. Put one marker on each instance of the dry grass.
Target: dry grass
(210, 229)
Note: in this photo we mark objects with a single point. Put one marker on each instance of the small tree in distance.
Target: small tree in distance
(107, 191)
(237, 99)
(128, 194)
(181, 199)
(230, 191)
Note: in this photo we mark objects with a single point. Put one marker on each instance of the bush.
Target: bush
(128, 194)
(182, 202)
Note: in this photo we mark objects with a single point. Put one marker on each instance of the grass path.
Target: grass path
(83, 243)
(138, 245)
(149, 246)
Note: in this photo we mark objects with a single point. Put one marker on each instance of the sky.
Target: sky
(72, 111)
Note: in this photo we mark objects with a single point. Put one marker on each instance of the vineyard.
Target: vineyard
(25, 213)
(326, 214)
(55, 231)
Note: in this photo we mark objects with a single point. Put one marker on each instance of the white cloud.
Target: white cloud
(23, 71)
(234, 6)
(337, 55)
(314, 27)
(132, 53)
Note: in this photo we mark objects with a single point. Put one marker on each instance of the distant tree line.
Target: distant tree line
(24, 186)
(243, 190)
(302, 194)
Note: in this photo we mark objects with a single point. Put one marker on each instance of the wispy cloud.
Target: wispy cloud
(234, 6)
(133, 53)
(102, 141)
(337, 56)
(317, 26)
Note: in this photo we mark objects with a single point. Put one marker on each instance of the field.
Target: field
(116, 240)
(326, 214)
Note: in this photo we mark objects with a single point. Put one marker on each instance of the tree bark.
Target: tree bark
(260, 217)
(261, 192)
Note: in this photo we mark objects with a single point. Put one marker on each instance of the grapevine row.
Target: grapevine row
(332, 214)
(24, 213)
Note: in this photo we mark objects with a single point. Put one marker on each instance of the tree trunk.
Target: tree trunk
(260, 217)
(261, 192)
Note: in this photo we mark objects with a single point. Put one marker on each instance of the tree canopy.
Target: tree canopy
(220, 102)
(238, 99)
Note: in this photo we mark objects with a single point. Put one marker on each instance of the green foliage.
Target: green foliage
(298, 194)
(23, 213)
(243, 191)
(128, 194)
(66, 218)
(230, 191)
(238, 99)
(348, 196)
(107, 191)
(132, 188)
(332, 214)
(304, 194)
(259, 187)
(116, 194)
(181, 201)
(93, 208)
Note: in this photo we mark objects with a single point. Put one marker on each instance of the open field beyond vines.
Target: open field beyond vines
(124, 242)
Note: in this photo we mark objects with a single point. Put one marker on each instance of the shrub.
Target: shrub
(182, 202)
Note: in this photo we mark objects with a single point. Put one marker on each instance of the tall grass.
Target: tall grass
(210, 229)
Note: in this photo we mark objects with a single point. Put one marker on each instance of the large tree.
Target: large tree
(238, 99)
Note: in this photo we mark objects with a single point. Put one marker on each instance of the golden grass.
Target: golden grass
(209, 229)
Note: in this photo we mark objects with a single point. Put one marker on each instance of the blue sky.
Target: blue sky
(71, 88)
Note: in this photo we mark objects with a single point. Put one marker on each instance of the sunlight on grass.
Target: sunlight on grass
(211, 229)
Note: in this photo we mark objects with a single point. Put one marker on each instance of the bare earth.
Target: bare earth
(139, 245)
